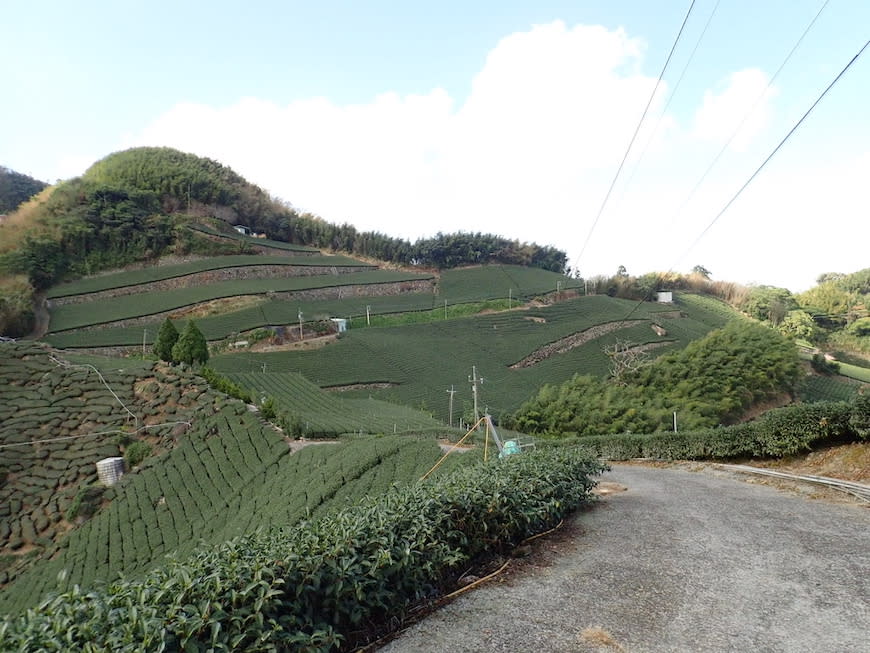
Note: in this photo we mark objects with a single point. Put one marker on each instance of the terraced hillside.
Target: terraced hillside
(317, 413)
(144, 307)
(417, 364)
(214, 470)
(72, 327)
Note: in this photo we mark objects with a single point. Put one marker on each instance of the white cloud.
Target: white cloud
(723, 111)
(529, 155)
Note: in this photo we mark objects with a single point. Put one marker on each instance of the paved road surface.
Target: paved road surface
(681, 561)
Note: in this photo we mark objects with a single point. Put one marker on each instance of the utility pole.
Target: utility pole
(445, 309)
(510, 297)
(586, 287)
(368, 315)
(451, 392)
(474, 380)
(675, 421)
(144, 333)
(300, 324)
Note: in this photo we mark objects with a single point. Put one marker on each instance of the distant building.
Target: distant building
(340, 324)
(665, 296)
(242, 229)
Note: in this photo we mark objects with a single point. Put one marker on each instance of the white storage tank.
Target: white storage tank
(110, 470)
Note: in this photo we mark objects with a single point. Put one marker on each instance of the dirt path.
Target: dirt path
(680, 561)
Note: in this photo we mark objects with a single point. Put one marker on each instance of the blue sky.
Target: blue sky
(509, 117)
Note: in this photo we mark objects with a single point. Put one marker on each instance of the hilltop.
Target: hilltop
(137, 205)
(16, 188)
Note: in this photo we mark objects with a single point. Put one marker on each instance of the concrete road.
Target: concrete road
(680, 561)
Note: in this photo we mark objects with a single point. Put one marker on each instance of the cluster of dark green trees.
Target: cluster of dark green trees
(121, 209)
(712, 381)
(189, 346)
(16, 188)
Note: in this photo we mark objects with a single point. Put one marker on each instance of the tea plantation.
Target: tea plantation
(421, 362)
(215, 470)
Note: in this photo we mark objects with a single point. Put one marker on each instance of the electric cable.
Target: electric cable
(757, 170)
(671, 96)
(634, 136)
(746, 116)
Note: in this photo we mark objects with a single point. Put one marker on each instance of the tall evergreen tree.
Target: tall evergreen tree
(191, 346)
(167, 336)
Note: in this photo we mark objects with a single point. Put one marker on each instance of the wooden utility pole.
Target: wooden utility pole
(474, 380)
(451, 392)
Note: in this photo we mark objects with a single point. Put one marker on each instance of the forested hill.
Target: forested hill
(16, 188)
(133, 205)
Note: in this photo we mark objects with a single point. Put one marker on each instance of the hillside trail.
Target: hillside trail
(679, 561)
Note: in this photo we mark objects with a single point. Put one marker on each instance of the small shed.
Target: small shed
(242, 229)
(665, 296)
(340, 324)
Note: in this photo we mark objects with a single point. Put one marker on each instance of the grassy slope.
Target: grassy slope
(455, 286)
(74, 316)
(324, 413)
(159, 273)
(425, 360)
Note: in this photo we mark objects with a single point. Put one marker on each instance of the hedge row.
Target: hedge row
(781, 432)
(321, 585)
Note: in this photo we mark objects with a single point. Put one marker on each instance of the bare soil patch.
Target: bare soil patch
(216, 307)
(360, 386)
(572, 342)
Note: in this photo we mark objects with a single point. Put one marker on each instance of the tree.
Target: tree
(191, 346)
(625, 358)
(621, 271)
(798, 324)
(701, 270)
(167, 336)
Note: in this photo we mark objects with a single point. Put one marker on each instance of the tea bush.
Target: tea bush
(317, 586)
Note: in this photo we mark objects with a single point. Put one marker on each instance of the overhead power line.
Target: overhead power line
(634, 136)
(673, 93)
(760, 167)
(747, 115)
(776, 149)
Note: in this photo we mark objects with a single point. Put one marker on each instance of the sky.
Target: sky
(495, 116)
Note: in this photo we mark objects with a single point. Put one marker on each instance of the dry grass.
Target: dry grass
(26, 219)
(216, 307)
(849, 462)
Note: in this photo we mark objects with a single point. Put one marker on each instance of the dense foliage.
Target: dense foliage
(16, 188)
(191, 346)
(16, 306)
(714, 380)
(312, 587)
(779, 432)
(167, 336)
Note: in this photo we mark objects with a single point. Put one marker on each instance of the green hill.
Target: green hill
(136, 206)
(16, 188)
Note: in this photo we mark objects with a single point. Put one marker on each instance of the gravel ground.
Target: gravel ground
(679, 561)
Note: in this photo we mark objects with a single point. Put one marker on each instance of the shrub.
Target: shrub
(823, 366)
(86, 502)
(136, 452)
(313, 587)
